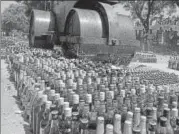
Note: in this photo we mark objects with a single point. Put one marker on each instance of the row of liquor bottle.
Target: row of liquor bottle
(75, 102)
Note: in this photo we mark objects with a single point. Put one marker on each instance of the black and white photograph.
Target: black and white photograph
(89, 67)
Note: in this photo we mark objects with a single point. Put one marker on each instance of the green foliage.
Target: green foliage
(15, 16)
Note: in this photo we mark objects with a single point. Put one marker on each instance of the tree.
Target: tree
(15, 16)
(32, 4)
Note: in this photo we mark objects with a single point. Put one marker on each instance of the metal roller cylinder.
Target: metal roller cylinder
(84, 23)
(41, 22)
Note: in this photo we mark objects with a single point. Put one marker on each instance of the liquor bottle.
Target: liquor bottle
(162, 129)
(136, 130)
(100, 125)
(127, 127)
(143, 124)
(152, 127)
(166, 114)
(67, 121)
(176, 129)
(45, 122)
(117, 124)
(136, 117)
(84, 126)
(174, 114)
(109, 129)
(75, 123)
(54, 123)
(40, 110)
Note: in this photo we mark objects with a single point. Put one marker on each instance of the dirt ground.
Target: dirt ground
(12, 121)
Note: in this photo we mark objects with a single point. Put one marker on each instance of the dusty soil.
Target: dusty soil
(12, 121)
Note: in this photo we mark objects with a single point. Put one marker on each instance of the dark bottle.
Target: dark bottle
(152, 127)
(176, 129)
(54, 123)
(166, 113)
(136, 130)
(84, 126)
(162, 129)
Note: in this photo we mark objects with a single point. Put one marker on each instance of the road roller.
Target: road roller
(83, 27)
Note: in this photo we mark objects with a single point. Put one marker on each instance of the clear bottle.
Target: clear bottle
(127, 127)
(174, 114)
(41, 109)
(109, 129)
(143, 120)
(100, 125)
(136, 117)
(45, 122)
(117, 124)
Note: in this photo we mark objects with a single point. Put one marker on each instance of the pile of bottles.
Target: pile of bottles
(145, 57)
(173, 62)
(69, 96)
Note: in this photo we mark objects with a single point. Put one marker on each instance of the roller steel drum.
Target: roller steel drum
(41, 22)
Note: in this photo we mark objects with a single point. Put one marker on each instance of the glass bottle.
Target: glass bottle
(143, 124)
(136, 117)
(117, 124)
(127, 127)
(45, 122)
(40, 110)
(109, 129)
(176, 129)
(100, 125)
(67, 121)
(75, 103)
(136, 130)
(84, 126)
(174, 114)
(152, 127)
(54, 123)
(75, 122)
(166, 114)
(163, 126)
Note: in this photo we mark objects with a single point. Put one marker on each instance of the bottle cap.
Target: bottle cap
(57, 96)
(98, 80)
(136, 130)
(109, 128)
(112, 94)
(88, 98)
(133, 91)
(102, 96)
(100, 120)
(39, 94)
(48, 104)
(143, 118)
(166, 112)
(52, 107)
(48, 88)
(74, 86)
(52, 91)
(61, 101)
(152, 126)
(174, 104)
(75, 99)
(123, 93)
(174, 112)
(117, 117)
(65, 105)
(163, 121)
(68, 112)
(80, 81)
(137, 110)
(89, 81)
(44, 98)
(127, 123)
(84, 121)
(129, 115)
(54, 114)
(165, 105)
